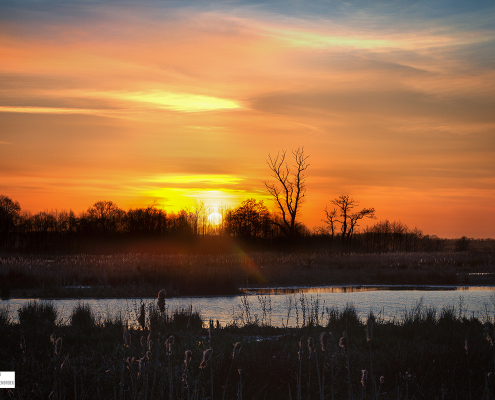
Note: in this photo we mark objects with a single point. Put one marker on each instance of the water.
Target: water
(388, 302)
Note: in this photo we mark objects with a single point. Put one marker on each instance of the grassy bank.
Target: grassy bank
(427, 354)
(142, 275)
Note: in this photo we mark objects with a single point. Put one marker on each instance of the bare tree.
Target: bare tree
(348, 219)
(331, 215)
(289, 188)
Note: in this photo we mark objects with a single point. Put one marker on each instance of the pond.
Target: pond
(292, 306)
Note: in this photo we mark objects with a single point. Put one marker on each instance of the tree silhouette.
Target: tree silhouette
(9, 216)
(289, 188)
(348, 220)
(105, 217)
(250, 220)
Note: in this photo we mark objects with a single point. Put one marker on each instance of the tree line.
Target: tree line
(252, 222)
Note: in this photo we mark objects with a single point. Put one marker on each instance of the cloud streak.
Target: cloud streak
(393, 101)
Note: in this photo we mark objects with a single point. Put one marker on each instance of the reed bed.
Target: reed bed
(165, 354)
(142, 275)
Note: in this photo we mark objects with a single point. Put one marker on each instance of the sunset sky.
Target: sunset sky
(394, 102)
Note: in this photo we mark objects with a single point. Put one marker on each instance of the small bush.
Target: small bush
(187, 319)
(38, 314)
(82, 317)
(4, 317)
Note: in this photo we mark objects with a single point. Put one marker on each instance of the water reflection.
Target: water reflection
(356, 289)
(283, 306)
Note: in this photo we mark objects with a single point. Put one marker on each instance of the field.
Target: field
(428, 354)
(142, 275)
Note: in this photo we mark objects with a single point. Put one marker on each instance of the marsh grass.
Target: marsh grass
(143, 275)
(37, 315)
(82, 317)
(422, 355)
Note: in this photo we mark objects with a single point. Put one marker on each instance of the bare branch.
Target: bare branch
(289, 187)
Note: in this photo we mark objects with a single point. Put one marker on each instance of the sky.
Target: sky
(173, 102)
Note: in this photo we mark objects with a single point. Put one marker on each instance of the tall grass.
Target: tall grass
(425, 354)
(142, 275)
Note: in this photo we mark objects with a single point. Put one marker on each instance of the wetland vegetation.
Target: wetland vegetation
(173, 354)
(142, 275)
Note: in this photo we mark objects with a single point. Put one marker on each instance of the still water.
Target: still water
(284, 306)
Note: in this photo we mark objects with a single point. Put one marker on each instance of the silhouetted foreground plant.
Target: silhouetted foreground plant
(172, 357)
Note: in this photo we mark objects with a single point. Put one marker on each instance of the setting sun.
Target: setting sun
(170, 104)
(215, 219)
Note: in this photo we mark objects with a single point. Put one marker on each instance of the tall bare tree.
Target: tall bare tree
(289, 188)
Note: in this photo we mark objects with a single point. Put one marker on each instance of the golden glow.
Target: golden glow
(53, 110)
(206, 178)
(215, 218)
(183, 104)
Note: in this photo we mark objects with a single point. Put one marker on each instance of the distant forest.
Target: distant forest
(106, 228)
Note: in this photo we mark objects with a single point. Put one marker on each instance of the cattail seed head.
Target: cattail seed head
(168, 344)
(187, 357)
(488, 336)
(142, 316)
(382, 379)
(210, 329)
(364, 377)
(311, 346)
(23, 344)
(300, 353)
(324, 340)
(161, 300)
(58, 346)
(237, 349)
(369, 329)
(206, 357)
(142, 366)
(53, 338)
(127, 338)
(343, 342)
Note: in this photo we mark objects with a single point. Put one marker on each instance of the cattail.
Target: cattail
(53, 338)
(369, 329)
(324, 340)
(364, 377)
(210, 329)
(149, 342)
(300, 353)
(237, 350)
(127, 338)
(142, 317)
(382, 379)
(187, 357)
(142, 365)
(161, 299)
(168, 344)
(311, 346)
(58, 346)
(486, 331)
(206, 357)
(343, 342)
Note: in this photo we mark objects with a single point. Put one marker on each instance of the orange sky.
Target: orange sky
(182, 101)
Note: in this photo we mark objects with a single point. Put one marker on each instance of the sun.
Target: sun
(215, 218)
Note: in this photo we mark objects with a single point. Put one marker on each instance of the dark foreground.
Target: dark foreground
(426, 355)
